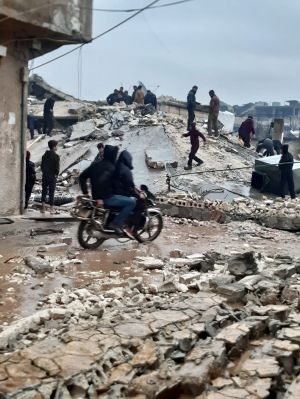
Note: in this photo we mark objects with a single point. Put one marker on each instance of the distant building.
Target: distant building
(28, 29)
(264, 114)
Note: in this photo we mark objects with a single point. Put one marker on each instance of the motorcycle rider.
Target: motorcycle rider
(124, 183)
(102, 177)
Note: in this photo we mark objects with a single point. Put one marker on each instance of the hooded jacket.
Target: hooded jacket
(124, 184)
(194, 135)
(50, 163)
(101, 175)
(286, 157)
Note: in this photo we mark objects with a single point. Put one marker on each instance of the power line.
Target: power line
(100, 35)
(136, 9)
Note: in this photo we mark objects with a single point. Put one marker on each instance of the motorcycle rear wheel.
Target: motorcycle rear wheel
(152, 229)
(85, 239)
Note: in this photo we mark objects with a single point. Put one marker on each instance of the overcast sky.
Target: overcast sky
(246, 50)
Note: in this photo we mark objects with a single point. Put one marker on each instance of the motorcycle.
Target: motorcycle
(146, 221)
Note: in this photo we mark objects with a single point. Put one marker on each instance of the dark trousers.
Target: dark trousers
(213, 124)
(48, 124)
(277, 146)
(287, 178)
(28, 191)
(192, 156)
(246, 139)
(48, 187)
(191, 117)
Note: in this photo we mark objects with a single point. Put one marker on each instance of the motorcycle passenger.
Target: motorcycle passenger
(124, 184)
(101, 175)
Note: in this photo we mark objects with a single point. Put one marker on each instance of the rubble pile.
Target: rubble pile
(274, 213)
(187, 334)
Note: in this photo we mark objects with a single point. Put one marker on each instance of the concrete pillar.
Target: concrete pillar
(12, 135)
(278, 129)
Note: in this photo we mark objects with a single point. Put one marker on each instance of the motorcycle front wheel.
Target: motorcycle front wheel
(152, 228)
(85, 236)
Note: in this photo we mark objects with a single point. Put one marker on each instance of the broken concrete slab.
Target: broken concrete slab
(82, 129)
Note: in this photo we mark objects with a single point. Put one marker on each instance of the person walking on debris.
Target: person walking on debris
(286, 168)
(99, 156)
(247, 131)
(214, 109)
(30, 178)
(150, 98)
(194, 135)
(267, 146)
(48, 116)
(102, 177)
(50, 170)
(139, 96)
(191, 105)
(113, 98)
(33, 124)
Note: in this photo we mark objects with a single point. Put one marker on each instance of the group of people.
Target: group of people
(138, 96)
(213, 114)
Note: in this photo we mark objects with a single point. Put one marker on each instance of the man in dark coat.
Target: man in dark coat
(102, 177)
(191, 105)
(266, 145)
(113, 97)
(30, 178)
(48, 116)
(50, 170)
(286, 167)
(194, 135)
(247, 131)
(133, 93)
(127, 98)
(150, 98)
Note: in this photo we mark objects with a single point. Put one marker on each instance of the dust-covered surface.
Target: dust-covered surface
(209, 310)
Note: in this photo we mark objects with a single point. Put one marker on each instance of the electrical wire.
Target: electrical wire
(136, 9)
(100, 35)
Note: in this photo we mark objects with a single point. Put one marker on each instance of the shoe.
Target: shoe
(115, 228)
(43, 209)
(200, 163)
(129, 233)
(187, 168)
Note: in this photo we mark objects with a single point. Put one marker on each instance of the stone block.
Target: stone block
(233, 292)
(243, 264)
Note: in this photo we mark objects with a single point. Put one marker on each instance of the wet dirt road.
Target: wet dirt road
(113, 261)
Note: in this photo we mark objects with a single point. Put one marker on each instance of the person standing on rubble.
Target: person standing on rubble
(191, 105)
(214, 109)
(50, 170)
(139, 96)
(194, 135)
(127, 98)
(113, 98)
(247, 131)
(48, 116)
(133, 94)
(30, 178)
(102, 177)
(286, 168)
(150, 98)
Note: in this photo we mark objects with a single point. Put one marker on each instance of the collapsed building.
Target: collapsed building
(28, 30)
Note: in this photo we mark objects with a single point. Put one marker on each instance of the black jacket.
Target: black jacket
(191, 100)
(101, 175)
(124, 184)
(287, 157)
(113, 98)
(150, 98)
(48, 106)
(30, 172)
(50, 163)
